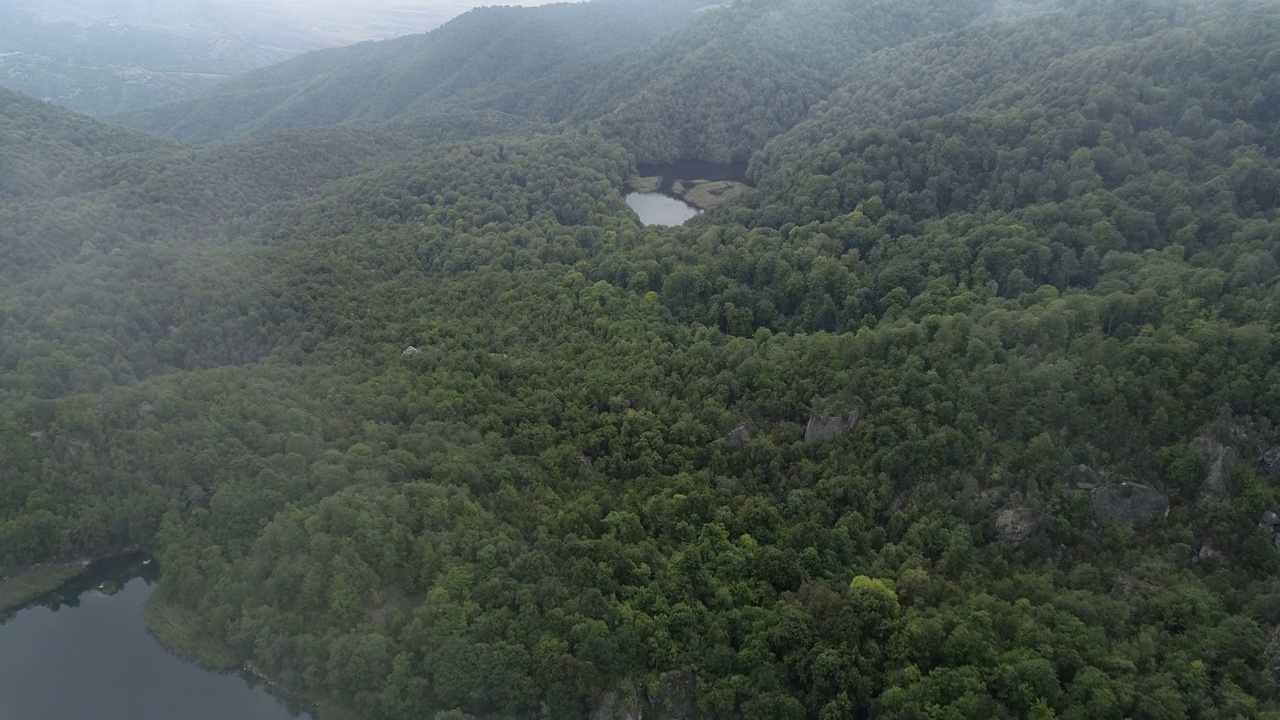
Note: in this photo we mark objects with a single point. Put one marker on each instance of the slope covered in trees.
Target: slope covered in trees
(970, 409)
(671, 80)
(40, 143)
(473, 57)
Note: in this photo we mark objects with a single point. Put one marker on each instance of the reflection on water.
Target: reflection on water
(83, 652)
(690, 170)
(659, 209)
(666, 193)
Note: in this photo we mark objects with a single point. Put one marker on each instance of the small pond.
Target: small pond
(83, 653)
(658, 209)
(668, 194)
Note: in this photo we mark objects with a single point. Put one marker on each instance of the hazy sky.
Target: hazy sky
(327, 22)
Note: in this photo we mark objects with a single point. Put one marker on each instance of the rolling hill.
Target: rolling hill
(970, 407)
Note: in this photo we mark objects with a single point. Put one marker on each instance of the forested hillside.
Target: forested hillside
(469, 60)
(670, 80)
(969, 409)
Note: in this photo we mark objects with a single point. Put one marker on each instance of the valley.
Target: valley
(960, 398)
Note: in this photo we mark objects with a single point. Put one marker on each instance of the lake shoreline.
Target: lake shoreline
(32, 583)
(173, 628)
(699, 185)
(171, 625)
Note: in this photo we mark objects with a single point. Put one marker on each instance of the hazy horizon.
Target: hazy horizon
(319, 23)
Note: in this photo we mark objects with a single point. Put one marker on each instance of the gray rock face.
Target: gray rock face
(1207, 554)
(673, 700)
(1269, 464)
(1114, 504)
(1013, 525)
(1081, 477)
(1272, 655)
(740, 436)
(1222, 461)
(411, 350)
(1269, 523)
(76, 449)
(822, 426)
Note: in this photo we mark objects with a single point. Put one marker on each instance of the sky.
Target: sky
(320, 22)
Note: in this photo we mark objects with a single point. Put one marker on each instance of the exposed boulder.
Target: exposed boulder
(673, 700)
(822, 426)
(1272, 656)
(1081, 477)
(1208, 554)
(411, 350)
(1269, 463)
(740, 436)
(1015, 524)
(76, 449)
(675, 697)
(1114, 504)
(1269, 523)
(1221, 460)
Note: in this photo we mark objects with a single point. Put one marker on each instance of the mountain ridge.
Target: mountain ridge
(969, 408)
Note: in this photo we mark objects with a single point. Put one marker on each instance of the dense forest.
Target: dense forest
(970, 408)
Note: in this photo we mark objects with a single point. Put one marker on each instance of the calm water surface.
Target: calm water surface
(83, 654)
(664, 207)
(659, 209)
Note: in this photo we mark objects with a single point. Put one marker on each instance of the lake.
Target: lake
(665, 204)
(659, 209)
(82, 653)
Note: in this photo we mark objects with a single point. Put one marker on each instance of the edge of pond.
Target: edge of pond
(168, 623)
(171, 625)
(33, 583)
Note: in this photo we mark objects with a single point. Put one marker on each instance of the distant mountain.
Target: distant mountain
(471, 60)
(105, 56)
(969, 408)
(669, 79)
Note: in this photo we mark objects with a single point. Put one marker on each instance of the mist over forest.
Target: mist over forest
(653, 359)
(104, 56)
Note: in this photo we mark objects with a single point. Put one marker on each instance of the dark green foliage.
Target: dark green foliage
(39, 143)
(425, 424)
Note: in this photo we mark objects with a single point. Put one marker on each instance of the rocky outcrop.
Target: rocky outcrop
(822, 426)
(75, 450)
(740, 436)
(1127, 502)
(1272, 656)
(1015, 524)
(1269, 463)
(1269, 523)
(1082, 477)
(1209, 555)
(1221, 461)
(673, 700)
(411, 350)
